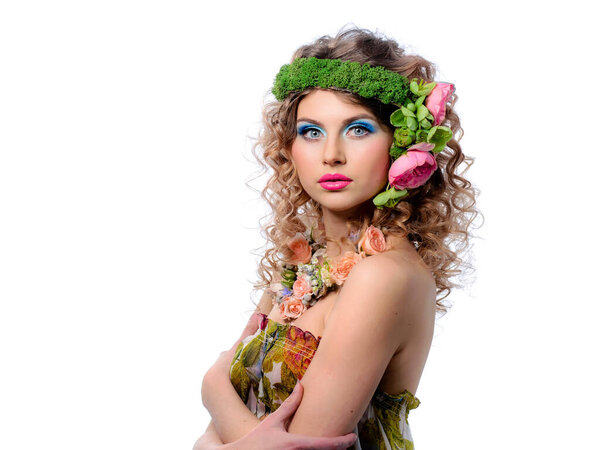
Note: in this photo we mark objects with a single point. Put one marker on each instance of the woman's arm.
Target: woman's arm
(368, 322)
(230, 416)
(384, 301)
(271, 434)
(210, 440)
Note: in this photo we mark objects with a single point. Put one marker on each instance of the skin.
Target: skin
(389, 298)
(271, 433)
(340, 137)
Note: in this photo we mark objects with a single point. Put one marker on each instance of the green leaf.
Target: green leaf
(381, 198)
(425, 124)
(412, 123)
(422, 112)
(412, 107)
(397, 194)
(396, 152)
(289, 275)
(394, 201)
(251, 352)
(420, 101)
(439, 136)
(414, 87)
(238, 351)
(427, 88)
(397, 118)
(407, 112)
(389, 198)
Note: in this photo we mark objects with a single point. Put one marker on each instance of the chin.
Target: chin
(345, 206)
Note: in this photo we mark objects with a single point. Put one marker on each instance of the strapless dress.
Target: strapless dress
(267, 364)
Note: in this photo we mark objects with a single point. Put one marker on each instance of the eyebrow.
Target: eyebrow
(346, 122)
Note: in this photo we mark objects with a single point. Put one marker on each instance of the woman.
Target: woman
(370, 214)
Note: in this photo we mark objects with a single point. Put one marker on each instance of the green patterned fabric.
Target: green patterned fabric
(268, 363)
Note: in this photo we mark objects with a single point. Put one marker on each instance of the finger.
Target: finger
(251, 326)
(324, 442)
(288, 407)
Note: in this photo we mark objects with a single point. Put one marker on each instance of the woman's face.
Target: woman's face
(341, 141)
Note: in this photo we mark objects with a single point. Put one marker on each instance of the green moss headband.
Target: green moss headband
(418, 135)
(362, 79)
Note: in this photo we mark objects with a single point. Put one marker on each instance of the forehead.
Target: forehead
(329, 105)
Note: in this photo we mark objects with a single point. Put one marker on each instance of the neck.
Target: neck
(334, 223)
(335, 228)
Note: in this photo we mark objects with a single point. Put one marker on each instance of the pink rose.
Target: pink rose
(412, 169)
(341, 267)
(437, 99)
(301, 287)
(292, 308)
(372, 241)
(301, 250)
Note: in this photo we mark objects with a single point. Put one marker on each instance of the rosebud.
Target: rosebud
(403, 137)
(422, 135)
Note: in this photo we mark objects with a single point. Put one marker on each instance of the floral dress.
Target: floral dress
(267, 364)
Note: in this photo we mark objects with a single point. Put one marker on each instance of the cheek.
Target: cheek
(301, 160)
(380, 162)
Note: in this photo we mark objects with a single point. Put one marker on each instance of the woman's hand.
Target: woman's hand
(271, 433)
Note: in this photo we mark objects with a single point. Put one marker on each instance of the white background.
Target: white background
(127, 231)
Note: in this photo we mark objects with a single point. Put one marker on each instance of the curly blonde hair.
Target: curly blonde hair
(436, 217)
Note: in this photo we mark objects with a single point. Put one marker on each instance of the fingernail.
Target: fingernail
(296, 387)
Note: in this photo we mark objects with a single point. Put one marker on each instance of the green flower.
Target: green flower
(403, 137)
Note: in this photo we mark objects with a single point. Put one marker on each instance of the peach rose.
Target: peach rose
(301, 249)
(341, 267)
(372, 241)
(292, 308)
(302, 287)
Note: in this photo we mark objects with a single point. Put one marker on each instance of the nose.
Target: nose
(333, 151)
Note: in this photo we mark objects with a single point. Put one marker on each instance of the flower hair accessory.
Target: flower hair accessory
(417, 139)
(418, 134)
(362, 79)
(309, 275)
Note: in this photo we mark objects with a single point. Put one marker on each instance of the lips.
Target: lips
(334, 181)
(334, 177)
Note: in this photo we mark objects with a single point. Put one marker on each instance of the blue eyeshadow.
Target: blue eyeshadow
(302, 128)
(368, 125)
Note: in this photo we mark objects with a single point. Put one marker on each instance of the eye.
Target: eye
(310, 132)
(360, 129)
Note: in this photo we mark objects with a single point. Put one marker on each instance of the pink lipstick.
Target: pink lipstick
(334, 181)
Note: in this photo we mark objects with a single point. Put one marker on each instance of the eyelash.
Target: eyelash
(362, 127)
(304, 130)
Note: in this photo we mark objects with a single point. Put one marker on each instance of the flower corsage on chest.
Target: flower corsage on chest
(309, 274)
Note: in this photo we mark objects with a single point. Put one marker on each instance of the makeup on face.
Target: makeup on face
(334, 181)
(340, 152)
(312, 129)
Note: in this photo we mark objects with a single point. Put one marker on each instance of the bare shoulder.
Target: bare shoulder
(398, 288)
(396, 275)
